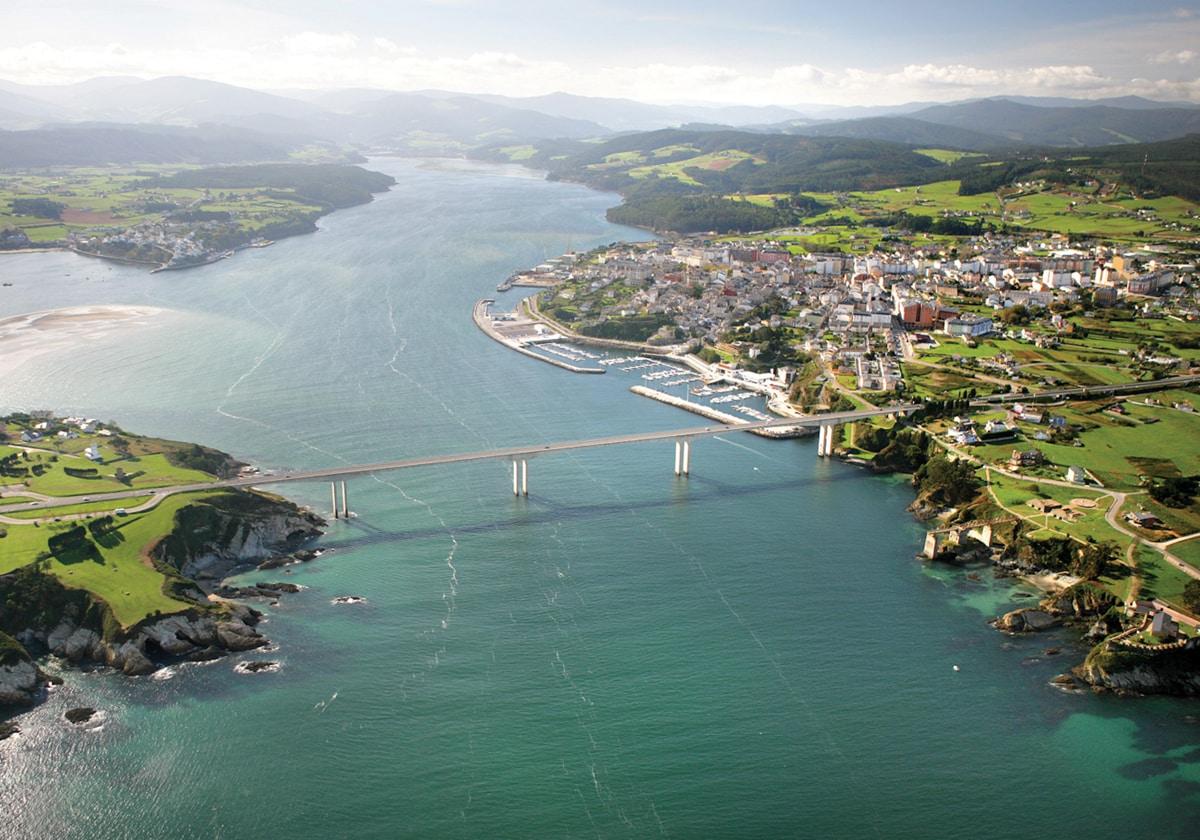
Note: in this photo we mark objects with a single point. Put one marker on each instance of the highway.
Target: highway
(1091, 390)
(510, 453)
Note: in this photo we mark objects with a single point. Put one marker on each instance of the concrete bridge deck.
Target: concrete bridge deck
(513, 453)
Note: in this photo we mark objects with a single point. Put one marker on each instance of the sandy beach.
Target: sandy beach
(23, 337)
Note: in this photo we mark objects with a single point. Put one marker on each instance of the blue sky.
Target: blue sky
(755, 51)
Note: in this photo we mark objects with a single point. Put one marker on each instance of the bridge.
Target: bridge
(519, 455)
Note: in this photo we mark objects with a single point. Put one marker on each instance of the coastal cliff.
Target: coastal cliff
(215, 536)
(1113, 667)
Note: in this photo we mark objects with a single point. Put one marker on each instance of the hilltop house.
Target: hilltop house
(1077, 475)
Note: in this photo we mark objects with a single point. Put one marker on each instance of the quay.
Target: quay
(711, 413)
(519, 332)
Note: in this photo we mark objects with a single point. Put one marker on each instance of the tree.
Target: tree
(1091, 561)
(1175, 492)
(1191, 595)
(946, 481)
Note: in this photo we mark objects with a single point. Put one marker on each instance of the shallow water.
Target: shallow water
(749, 652)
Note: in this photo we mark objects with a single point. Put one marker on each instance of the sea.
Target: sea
(751, 651)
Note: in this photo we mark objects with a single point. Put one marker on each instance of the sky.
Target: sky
(756, 52)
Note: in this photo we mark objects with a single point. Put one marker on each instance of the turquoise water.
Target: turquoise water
(751, 652)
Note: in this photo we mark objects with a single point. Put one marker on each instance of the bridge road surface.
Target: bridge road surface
(514, 452)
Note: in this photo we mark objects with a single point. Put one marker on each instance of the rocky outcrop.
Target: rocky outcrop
(1112, 667)
(216, 536)
(197, 634)
(1026, 620)
(1081, 601)
(20, 684)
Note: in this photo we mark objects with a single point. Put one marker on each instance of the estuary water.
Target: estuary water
(750, 652)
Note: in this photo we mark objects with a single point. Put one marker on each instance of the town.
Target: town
(981, 335)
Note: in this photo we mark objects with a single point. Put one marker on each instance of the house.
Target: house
(998, 430)
(1044, 505)
(92, 453)
(1140, 607)
(1142, 519)
(1066, 513)
(1077, 475)
(963, 437)
(1028, 458)
(1163, 627)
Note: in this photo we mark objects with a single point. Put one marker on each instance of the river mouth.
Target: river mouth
(748, 651)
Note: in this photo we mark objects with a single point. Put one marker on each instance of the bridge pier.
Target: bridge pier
(678, 458)
(516, 474)
(825, 440)
(524, 477)
(345, 503)
(687, 457)
(333, 498)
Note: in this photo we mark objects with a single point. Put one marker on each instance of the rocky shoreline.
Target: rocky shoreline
(1094, 612)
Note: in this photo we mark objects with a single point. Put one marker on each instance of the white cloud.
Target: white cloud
(320, 43)
(311, 59)
(1174, 57)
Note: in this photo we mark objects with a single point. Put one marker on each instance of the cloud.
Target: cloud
(1174, 57)
(311, 59)
(321, 43)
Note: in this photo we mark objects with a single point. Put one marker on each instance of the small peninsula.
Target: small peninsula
(134, 583)
(168, 217)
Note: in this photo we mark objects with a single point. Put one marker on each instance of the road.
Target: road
(1090, 391)
(514, 453)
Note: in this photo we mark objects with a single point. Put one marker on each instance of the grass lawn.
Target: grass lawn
(1159, 578)
(155, 469)
(1188, 552)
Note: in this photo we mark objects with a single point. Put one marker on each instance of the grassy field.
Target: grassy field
(1110, 444)
(121, 197)
(948, 156)
(1016, 494)
(120, 574)
(1118, 217)
(1188, 552)
(147, 471)
(715, 161)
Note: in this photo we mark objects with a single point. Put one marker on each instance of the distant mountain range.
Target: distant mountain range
(434, 121)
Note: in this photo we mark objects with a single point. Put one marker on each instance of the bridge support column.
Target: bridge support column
(333, 498)
(687, 457)
(524, 478)
(516, 477)
(678, 458)
(345, 503)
